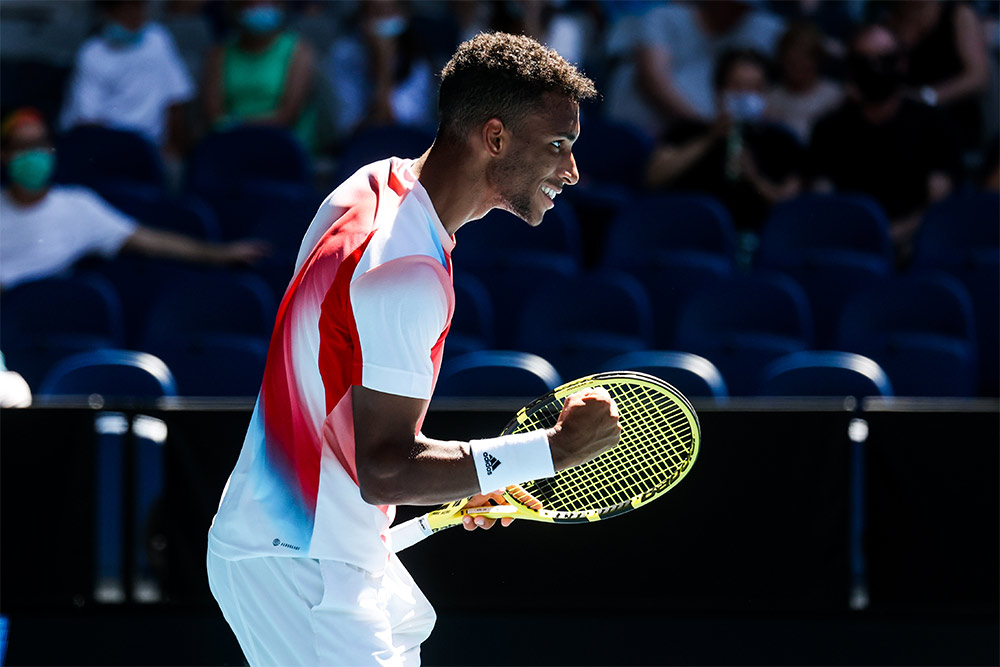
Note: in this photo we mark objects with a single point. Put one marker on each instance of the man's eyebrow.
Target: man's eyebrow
(571, 136)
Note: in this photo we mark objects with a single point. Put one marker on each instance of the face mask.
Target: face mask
(121, 37)
(261, 19)
(32, 169)
(877, 79)
(744, 107)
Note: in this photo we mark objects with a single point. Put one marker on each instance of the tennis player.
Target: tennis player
(300, 556)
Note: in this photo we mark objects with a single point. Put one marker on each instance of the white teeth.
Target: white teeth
(549, 192)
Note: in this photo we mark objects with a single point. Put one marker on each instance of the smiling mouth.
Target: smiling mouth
(549, 192)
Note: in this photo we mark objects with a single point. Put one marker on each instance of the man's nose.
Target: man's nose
(570, 175)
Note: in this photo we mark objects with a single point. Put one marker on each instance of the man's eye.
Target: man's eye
(557, 143)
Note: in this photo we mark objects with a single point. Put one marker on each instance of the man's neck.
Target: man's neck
(456, 187)
(23, 197)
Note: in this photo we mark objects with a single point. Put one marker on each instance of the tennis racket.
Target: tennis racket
(657, 447)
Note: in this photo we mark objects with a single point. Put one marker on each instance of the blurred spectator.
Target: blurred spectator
(835, 19)
(900, 151)
(263, 75)
(802, 95)
(748, 164)
(381, 74)
(130, 77)
(947, 64)
(669, 75)
(45, 229)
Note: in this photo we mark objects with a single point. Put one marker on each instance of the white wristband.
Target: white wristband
(512, 459)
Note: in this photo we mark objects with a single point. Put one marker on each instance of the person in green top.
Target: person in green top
(263, 75)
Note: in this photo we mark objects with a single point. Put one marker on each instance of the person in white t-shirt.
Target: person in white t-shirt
(300, 555)
(802, 95)
(130, 77)
(669, 73)
(46, 229)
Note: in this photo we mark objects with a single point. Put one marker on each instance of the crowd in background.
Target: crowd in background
(751, 102)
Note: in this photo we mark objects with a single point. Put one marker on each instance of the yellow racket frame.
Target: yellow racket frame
(518, 497)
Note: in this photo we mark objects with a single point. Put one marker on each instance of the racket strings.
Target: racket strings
(655, 449)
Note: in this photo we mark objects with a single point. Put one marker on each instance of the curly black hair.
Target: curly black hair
(505, 76)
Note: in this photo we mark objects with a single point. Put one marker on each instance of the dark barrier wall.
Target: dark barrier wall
(761, 529)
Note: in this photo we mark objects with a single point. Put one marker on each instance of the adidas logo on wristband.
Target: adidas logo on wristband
(492, 462)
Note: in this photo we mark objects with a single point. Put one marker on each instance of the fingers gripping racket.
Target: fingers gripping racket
(657, 447)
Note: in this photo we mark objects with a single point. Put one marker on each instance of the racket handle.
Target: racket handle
(408, 533)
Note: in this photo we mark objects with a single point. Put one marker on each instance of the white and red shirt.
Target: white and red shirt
(370, 304)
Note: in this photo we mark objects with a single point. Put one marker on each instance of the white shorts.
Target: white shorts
(301, 611)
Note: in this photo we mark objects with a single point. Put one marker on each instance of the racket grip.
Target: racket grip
(408, 533)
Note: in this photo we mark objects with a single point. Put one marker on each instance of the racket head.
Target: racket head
(658, 445)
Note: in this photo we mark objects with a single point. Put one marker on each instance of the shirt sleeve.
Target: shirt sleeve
(177, 79)
(400, 310)
(86, 94)
(105, 228)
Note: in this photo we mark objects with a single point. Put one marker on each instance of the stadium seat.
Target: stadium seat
(919, 327)
(472, 325)
(119, 375)
(218, 302)
(660, 222)
(824, 373)
(497, 373)
(513, 278)
(692, 375)
(47, 320)
(830, 279)
(955, 231)
(377, 143)
(671, 277)
(110, 373)
(187, 214)
(485, 243)
(611, 157)
(743, 323)
(236, 160)
(218, 365)
(814, 222)
(104, 159)
(580, 322)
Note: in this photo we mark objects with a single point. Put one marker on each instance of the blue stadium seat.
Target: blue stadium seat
(218, 365)
(513, 278)
(376, 143)
(47, 320)
(580, 322)
(830, 279)
(813, 222)
(472, 325)
(955, 231)
(110, 373)
(692, 375)
(104, 159)
(490, 241)
(214, 303)
(919, 327)
(743, 323)
(118, 375)
(611, 157)
(671, 277)
(982, 279)
(237, 160)
(187, 214)
(824, 373)
(497, 373)
(659, 222)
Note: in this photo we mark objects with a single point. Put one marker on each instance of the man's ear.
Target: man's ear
(495, 136)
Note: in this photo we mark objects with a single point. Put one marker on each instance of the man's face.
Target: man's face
(538, 161)
(24, 136)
